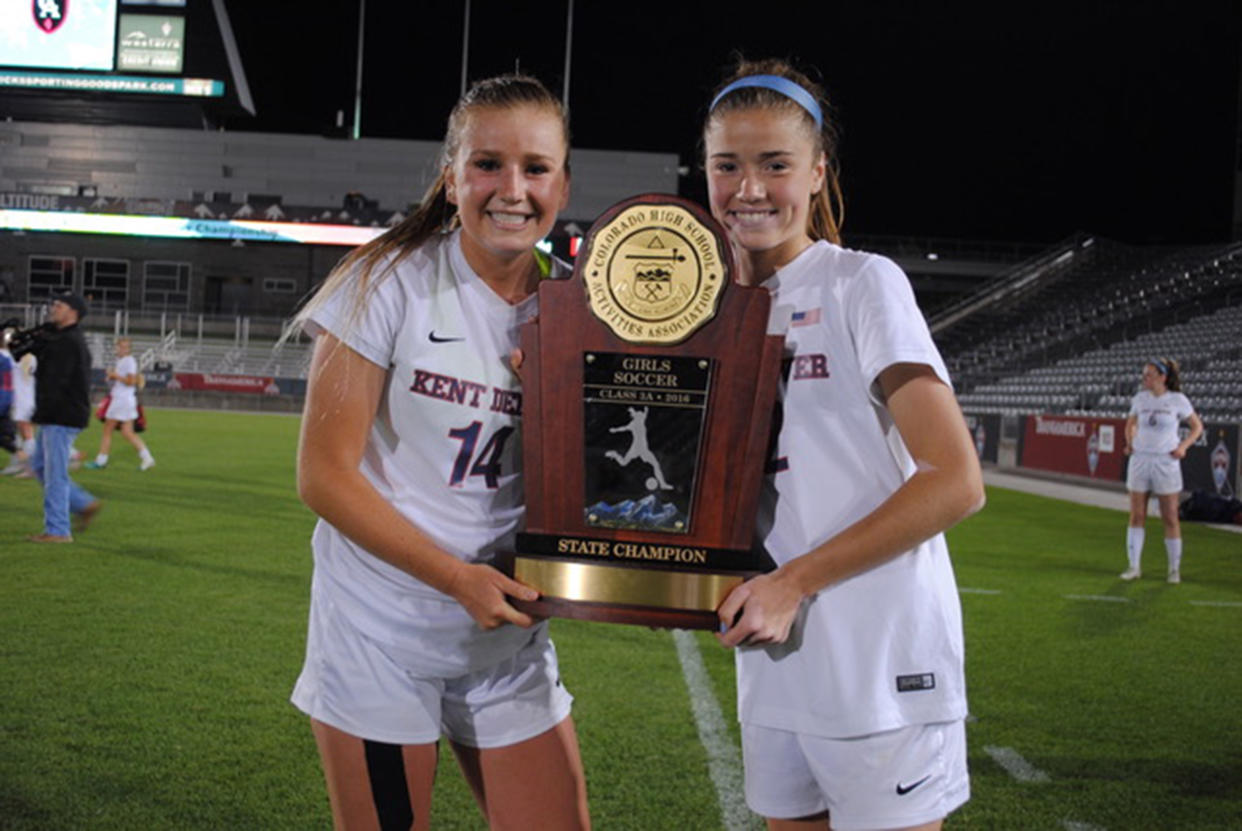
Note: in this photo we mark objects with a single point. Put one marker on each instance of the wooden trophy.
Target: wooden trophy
(648, 384)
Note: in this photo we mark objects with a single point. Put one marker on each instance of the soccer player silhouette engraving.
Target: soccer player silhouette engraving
(639, 448)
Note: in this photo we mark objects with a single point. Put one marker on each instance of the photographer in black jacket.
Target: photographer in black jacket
(62, 410)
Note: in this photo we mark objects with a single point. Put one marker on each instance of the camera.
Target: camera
(20, 341)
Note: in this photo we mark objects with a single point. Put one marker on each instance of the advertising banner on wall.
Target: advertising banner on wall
(1077, 445)
(1211, 463)
(161, 379)
(985, 430)
(217, 382)
(150, 43)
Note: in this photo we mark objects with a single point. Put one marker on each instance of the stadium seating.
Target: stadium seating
(1075, 344)
(288, 360)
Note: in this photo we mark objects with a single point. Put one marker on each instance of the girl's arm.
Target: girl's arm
(1131, 431)
(343, 395)
(1196, 430)
(946, 488)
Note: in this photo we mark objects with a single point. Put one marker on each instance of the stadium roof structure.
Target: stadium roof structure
(168, 63)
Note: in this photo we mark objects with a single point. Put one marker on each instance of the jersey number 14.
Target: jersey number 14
(486, 461)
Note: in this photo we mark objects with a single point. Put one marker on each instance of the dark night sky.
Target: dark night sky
(1022, 122)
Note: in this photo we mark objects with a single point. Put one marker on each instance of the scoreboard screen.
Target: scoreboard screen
(125, 47)
(58, 34)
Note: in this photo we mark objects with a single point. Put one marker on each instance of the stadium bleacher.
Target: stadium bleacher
(1074, 340)
(287, 360)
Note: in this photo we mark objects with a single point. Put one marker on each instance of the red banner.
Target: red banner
(1074, 444)
(258, 385)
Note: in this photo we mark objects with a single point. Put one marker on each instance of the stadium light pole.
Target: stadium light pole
(362, 16)
(569, 46)
(465, 45)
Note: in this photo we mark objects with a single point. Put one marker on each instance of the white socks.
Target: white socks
(1134, 545)
(1134, 550)
(101, 459)
(1173, 545)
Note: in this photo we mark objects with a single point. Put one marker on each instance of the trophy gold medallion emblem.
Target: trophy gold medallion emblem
(655, 274)
(648, 387)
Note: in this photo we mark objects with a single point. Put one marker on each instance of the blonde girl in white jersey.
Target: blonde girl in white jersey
(122, 408)
(850, 670)
(407, 454)
(1155, 452)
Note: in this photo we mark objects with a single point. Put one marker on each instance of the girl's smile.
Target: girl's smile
(762, 171)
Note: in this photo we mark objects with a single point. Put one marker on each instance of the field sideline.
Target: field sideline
(145, 669)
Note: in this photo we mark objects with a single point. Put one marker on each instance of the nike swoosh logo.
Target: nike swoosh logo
(902, 790)
(434, 338)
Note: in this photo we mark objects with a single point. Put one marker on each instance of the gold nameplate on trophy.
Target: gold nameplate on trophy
(655, 274)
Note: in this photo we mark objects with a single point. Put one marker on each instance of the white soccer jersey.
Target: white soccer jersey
(24, 388)
(1158, 417)
(121, 392)
(882, 649)
(444, 448)
(123, 403)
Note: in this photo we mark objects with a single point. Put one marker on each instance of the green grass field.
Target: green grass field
(145, 669)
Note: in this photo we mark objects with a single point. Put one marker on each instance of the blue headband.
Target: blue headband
(1164, 370)
(776, 83)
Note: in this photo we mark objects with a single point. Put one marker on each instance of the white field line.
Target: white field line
(1023, 771)
(1015, 765)
(724, 759)
(1103, 598)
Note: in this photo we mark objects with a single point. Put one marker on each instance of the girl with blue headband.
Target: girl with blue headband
(851, 688)
(1156, 450)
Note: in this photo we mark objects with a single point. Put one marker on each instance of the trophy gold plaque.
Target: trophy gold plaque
(648, 387)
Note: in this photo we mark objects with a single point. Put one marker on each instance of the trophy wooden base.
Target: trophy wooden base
(616, 613)
(663, 598)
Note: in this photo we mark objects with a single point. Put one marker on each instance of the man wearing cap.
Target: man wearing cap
(62, 410)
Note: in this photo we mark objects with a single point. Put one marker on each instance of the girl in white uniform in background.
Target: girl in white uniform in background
(1155, 453)
(409, 454)
(122, 408)
(851, 689)
(23, 412)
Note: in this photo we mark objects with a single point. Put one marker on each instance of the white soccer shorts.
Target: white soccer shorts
(23, 406)
(895, 779)
(367, 690)
(122, 410)
(1157, 473)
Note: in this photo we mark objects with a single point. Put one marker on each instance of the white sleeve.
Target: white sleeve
(886, 325)
(1134, 406)
(372, 330)
(1185, 409)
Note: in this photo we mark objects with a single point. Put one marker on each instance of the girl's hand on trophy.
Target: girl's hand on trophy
(482, 591)
(760, 611)
(516, 357)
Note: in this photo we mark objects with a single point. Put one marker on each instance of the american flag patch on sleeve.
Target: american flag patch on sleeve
(807, 318)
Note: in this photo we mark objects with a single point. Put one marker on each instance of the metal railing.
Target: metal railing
(1013, 281)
